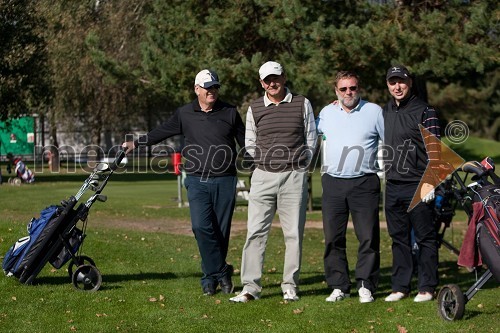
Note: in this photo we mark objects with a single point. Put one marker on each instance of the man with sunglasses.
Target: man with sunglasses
(281, 136)
(353, 128)
(211, 129)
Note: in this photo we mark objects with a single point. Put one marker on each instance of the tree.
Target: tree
(114, 62)
(24, 84)
(85, 41)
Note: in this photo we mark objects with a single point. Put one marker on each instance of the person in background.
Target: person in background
(211, 129)
(281, 136)
(405, 166)
(353, 128)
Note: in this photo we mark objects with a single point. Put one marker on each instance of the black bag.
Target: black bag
(75, 240)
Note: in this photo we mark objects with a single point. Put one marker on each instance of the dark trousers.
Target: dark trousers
(359, 196)
(400, 222)
(211, 204)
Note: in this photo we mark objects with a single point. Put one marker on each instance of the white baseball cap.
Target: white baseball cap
(270, 68)
(206, 79)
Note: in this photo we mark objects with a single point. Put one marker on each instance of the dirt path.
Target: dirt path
(181, 227)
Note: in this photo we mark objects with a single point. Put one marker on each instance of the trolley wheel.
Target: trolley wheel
(451, 302)
(79, 261)
(87, 278)
(14, 181)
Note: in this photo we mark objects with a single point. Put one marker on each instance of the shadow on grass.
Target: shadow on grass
(110, 278)
(449, 273)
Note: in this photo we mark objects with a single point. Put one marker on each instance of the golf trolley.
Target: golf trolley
(481, 201)
(55, 237)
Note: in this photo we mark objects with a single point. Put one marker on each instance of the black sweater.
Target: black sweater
(210, 137)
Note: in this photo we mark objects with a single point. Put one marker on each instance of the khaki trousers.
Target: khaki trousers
(284, 193)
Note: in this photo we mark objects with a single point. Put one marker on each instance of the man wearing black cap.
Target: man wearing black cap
(407, 159)
(211, 129)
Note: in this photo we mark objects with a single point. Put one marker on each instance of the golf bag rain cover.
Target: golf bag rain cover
(19, 254)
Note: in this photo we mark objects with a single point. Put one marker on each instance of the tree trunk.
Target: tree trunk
(53, 154)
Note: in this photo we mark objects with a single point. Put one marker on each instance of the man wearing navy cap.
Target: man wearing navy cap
(211, 129)
(405, 167)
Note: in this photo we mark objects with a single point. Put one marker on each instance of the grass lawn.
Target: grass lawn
(151, 277)
(141, 242)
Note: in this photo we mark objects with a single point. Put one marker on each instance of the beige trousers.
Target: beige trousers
(284, 193)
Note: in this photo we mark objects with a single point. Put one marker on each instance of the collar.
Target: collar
(404, 102)
(197, 107)
(287, 99)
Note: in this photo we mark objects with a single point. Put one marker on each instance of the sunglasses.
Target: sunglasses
(215, 86)
(351, 88)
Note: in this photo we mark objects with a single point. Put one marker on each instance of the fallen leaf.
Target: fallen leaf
(298, 311)
(162, 298)
(153, 299)
(217, 301)
(14, 298)
(480, 305)
(101, 315)
(402, 329)
(73, 328)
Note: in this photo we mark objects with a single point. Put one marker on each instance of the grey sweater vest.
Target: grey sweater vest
(280, 144)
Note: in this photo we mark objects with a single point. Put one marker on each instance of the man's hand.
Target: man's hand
(427, 192)
(128, 146)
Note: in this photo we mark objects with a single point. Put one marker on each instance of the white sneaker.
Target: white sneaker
(290, 295)
(365, 295)
(423, 296)
(243, 297)
(396, 296)
(337, 295)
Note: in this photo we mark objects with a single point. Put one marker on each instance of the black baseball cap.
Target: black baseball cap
(398, 71)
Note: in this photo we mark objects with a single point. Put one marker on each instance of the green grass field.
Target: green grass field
(151, 276)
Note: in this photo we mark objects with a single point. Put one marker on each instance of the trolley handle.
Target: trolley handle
(475, 168)
(118, 159)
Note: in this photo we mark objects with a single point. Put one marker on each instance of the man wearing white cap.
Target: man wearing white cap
(211, 129)
(281, 136)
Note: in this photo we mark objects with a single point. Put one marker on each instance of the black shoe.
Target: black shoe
(226, 283)
(209, 290)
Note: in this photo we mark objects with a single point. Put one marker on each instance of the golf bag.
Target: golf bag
(482, 240)
(39, 230)
(481, 245)
(55, 238)
(22, 171)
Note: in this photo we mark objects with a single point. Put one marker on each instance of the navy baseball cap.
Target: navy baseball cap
(398, 71)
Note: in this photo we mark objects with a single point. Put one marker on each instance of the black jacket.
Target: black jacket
(407, 157)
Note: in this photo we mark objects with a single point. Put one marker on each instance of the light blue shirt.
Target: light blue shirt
(352, 139)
